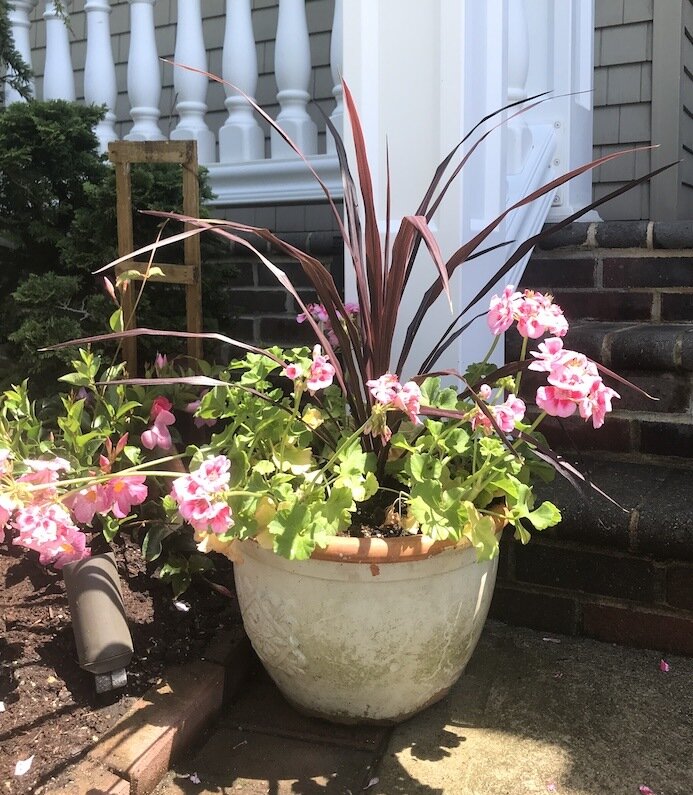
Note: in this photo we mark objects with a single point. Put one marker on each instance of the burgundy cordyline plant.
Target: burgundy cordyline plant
(336, 438)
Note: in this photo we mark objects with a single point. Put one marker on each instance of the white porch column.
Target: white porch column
(241, 138)
(190, 87)
(20, 26)
(144, 74)
(519, 135)
(336, 60)
(99, 70)
(58, 77)
(292, 71)
(569, 69)
(448, 55)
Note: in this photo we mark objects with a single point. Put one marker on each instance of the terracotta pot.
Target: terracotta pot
(367, 630)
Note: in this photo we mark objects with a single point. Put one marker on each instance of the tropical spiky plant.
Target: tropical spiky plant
(369, 451)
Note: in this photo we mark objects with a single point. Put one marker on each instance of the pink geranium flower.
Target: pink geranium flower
(503, 310)
(555, 401)
(535, 313)
(321, 372)
(48, 530)
(388, 391)
(293, 371)
(505, 414)
(200, 496)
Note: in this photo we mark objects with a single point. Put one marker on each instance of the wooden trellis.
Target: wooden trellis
(123, 154)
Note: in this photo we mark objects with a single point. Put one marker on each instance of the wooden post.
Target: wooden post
(123, 154)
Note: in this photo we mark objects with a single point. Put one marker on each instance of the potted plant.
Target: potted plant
(362, 505)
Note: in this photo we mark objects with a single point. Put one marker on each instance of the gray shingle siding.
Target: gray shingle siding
(622, 100)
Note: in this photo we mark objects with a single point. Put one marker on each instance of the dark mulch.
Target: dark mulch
(51, 708)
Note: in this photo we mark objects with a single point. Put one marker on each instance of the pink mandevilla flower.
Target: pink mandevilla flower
(87, 502)
(160, 362)
(321, 372)
(126, 491)
(158, 435)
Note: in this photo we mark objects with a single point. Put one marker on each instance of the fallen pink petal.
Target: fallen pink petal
(664, 666)
(645, 790)
(551, 787)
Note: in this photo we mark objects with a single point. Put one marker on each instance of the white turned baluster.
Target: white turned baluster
(144, 74)
(519, 135)
(58, 77)
(292, 70)
(20, 26)
(336, 51)
(241, 138)
(100, 86)
(190, 87)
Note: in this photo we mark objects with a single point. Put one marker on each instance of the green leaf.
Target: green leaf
(151, 546)
(110, 528)
(289, 528)
(546, 515)
(264, 467)
(115, 321)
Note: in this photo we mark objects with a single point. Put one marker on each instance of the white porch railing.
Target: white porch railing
(499, 62)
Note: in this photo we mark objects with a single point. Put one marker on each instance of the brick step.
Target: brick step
(607, 562)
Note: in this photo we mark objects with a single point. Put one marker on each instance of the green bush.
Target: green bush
(58, 225)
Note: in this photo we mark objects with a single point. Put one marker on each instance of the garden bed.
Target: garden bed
(51, 708)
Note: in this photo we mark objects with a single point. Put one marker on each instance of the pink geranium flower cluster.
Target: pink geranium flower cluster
(201, 496)
(320, 316)
(574, 384)
(158, 435)
(388, 391)
(535, 314)
(320, 373)
(49, 530)
(505, 414)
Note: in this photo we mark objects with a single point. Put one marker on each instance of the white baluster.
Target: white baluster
(241, 138)
(191, 87)
(519, 135)
(100, 86)
(336, 60)
(144, 74)
(20, 25)
(58, 77)
(292, 70)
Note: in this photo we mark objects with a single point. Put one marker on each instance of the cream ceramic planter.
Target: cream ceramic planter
(367, 629)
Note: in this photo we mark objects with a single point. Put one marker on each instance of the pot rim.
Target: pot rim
(404, 549)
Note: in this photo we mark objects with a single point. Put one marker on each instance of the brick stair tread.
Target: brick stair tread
(654, 517)
(665, 347)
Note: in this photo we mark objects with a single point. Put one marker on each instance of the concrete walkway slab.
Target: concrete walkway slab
(530, 715)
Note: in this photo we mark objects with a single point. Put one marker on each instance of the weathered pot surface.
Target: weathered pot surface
(367, 630)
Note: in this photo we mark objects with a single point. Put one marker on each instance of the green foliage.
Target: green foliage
(58, 225)
(17, 73)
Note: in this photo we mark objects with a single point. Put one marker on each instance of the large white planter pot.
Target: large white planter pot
(368, 629)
